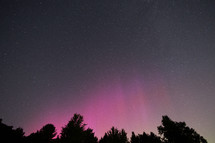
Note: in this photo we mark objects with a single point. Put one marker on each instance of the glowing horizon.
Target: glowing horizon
(122, 104)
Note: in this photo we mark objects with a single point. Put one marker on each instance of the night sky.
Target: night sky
(121, 63)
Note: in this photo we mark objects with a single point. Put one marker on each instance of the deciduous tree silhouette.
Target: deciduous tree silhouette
(44, 135)
(145, 138)
(48, 132)
(114, 136)
(9, 135)
(178, 132)
(75, 132)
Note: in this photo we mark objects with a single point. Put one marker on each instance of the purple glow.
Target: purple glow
(111, 103)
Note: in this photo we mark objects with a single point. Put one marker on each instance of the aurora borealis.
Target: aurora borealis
(118, 63)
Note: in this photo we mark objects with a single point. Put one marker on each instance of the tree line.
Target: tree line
(76, 132)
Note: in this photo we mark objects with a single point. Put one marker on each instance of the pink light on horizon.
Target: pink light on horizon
(124, 105)
(117, 104)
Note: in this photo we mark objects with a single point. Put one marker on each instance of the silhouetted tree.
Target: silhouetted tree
(44, 135)
(90, 137)
(33, 138)
(75, 132)
(178, 132)
(134, 138)
(114, 136)
(145, 138)
(48, 132)
(9, 135)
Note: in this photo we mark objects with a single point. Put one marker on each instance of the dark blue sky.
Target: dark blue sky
(135, 60)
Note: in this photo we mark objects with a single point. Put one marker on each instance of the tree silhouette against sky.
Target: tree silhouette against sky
(75, 132)
(44, 135)
(10, 135)
(178, 132)
(145, 138)
(114, 136)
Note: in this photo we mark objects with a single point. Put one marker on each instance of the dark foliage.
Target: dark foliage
(178, 132)
(114, 136)
(10, 135)
(145, 138)
(75, 132)
(44, 135)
